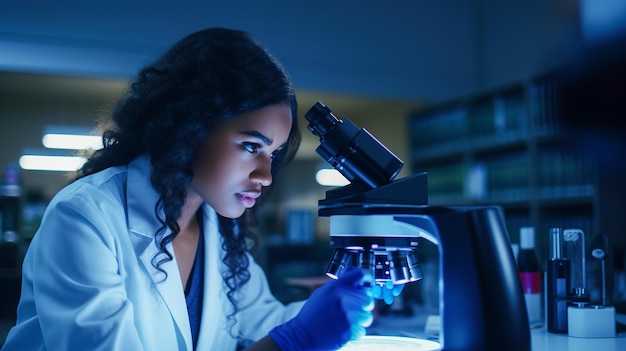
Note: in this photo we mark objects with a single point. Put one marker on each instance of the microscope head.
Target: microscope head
(362, 241)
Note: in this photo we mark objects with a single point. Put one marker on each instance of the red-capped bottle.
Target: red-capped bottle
(530, 274)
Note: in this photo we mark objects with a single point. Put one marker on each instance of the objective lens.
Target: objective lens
(338, 263)
(398, 267)
(415, 268)
(365, 259)
(404, 267)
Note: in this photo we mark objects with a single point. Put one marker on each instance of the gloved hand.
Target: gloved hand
(336, 312)
(387, 291)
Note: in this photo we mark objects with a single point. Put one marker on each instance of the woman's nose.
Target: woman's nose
(262, 174)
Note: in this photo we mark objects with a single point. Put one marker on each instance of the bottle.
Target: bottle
(530, 274)
(558, 275)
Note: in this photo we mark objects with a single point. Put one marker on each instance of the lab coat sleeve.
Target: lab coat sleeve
(78, 279)
(261, 311)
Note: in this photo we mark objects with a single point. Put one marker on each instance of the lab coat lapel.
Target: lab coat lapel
(213, 312)
(170, 289)
(142, 224)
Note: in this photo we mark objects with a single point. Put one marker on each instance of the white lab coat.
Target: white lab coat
(89, 282)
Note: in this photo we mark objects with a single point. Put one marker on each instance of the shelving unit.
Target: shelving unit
(505, 147)
(10, 253)
(10, 218)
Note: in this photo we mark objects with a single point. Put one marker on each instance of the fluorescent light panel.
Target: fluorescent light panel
(51, 163)
(59, 138)
(70, 138)
(38, 159)
(71, 142)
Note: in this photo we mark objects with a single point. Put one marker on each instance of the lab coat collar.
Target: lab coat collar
(143, 225)
(141, 202)
(141, 198)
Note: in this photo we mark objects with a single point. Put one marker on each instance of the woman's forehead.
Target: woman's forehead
(272, 122)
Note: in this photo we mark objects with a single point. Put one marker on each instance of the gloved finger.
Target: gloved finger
(397, 289)
(362, 317)
(352, 300)
(356, 277)
(377, 291)
(357, 331)
(356, 299)
(388, 296)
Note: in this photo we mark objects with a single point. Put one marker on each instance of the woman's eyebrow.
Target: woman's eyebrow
(267, 141)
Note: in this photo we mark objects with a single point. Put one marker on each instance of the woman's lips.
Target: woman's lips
(248, 199)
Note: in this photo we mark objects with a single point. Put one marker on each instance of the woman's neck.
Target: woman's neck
(186, 241)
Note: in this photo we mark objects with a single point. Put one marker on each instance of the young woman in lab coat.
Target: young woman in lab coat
(147, 249)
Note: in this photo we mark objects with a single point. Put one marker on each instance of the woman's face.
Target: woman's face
(234, 163)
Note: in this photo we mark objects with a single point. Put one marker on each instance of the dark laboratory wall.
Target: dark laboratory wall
(30, 102)
(591, 97)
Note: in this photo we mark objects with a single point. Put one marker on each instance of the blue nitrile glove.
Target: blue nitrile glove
(387, 291)
(335, 313)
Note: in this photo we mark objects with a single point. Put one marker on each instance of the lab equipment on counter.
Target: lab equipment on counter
(574, 246)
(376, 221)
(600, 246)
(530, 274)
(586, 320)
(569, 309)
(558, 272)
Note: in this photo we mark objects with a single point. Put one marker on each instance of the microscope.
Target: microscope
(375, 223)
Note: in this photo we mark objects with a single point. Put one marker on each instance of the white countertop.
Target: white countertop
(414, 326)
(544, 341)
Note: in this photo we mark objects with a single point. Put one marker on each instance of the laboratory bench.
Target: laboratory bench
(544, 341)
(420, 325)
(424, 324)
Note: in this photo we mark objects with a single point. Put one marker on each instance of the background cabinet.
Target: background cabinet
(507, 147)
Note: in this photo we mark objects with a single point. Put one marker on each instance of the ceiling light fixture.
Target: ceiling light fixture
(44, 160)
(71, 138)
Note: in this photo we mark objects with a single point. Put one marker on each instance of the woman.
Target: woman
(147, 249)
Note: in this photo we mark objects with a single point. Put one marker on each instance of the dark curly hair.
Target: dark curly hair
(209, 77)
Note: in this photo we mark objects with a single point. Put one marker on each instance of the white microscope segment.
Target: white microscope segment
(375, 226)
(369, 225)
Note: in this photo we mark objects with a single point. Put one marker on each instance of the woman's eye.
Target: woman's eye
(251, 147)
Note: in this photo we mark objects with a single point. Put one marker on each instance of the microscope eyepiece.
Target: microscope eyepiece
(321, 120)
(354, 152)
